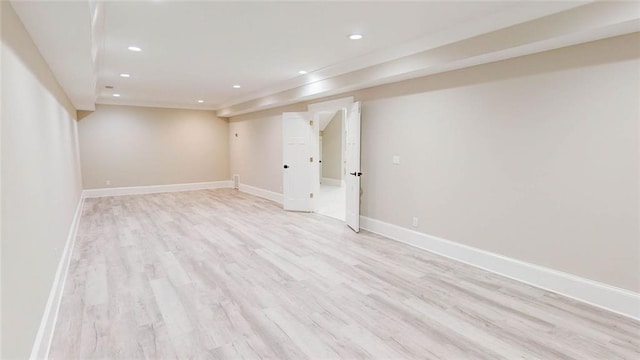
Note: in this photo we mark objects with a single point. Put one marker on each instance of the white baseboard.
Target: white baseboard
(620, 301)
(332, 182)
(42, 343)
(153, 189)
(266, 194)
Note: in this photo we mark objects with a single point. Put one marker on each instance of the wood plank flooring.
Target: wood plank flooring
(218, 274)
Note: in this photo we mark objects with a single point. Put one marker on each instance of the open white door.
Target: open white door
(314, 163)
(320, 162)
(353, 167)
(300, 161)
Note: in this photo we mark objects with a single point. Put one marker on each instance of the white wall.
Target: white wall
(535, 158)
(140, 146)
(40, 183)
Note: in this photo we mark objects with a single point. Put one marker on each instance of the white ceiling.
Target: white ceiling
(198, 50)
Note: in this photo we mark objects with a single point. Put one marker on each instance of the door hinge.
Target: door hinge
(310, 122)
(311, 159)
(311, 195)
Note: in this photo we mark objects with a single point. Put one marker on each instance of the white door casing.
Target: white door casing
(353, 167)
(299, 173)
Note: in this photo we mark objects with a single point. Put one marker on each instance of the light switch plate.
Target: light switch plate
(396, 160)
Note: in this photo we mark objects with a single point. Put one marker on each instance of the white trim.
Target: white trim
(42, 343)
(266, 194)
(137, 190)
(332, 182)
(617, 300)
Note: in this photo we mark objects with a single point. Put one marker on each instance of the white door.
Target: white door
(320, 160)
(300, 166)
(314, 163)
(353, 167)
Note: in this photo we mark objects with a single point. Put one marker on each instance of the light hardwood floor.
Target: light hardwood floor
(218, 274)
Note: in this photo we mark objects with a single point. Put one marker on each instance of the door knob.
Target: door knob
(286, 166)
(356, 173)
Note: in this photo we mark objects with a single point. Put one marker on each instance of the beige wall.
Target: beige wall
(256, 151)
(139, 146)
(535, 158)
(41, 183)
(332, 148)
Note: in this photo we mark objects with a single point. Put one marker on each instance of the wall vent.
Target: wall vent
(236, 181)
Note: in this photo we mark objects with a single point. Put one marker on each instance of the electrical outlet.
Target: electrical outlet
(108, 182)
(415, 222)
(396, 160)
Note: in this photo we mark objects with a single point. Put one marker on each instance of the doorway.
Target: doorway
(332, 140)
(334, 188)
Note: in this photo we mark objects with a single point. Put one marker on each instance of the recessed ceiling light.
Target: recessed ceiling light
(355, 36)
(125, 75)
(236, 86)
(200, 101)
(302, 72)
(116, 95)
(134, 48)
